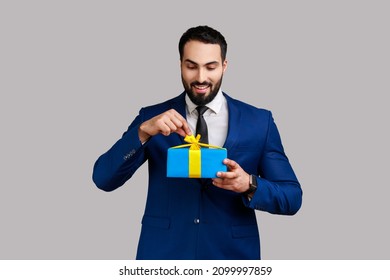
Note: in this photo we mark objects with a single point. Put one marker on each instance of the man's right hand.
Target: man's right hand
(165, 123)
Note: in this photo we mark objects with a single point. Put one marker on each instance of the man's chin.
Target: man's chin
(201, 96)
(199, 99)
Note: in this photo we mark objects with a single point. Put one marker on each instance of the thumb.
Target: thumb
(231, 164)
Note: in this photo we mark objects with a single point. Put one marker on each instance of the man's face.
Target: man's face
(202, 70)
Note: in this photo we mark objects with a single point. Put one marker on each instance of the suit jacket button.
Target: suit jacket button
(196, 221)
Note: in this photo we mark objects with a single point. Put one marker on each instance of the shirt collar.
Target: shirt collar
(215, 105)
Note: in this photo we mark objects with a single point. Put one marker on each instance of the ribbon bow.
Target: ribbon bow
(194, 143)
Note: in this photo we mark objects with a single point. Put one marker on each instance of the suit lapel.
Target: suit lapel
(234, 123)
(179, 104)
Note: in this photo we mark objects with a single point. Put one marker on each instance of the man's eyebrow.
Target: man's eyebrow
(208, 63)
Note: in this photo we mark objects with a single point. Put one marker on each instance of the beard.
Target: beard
(200, 99)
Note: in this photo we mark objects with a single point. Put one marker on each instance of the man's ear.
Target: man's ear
(224, 66)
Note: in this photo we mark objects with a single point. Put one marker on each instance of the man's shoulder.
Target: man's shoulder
(165, 105)
(246, 107)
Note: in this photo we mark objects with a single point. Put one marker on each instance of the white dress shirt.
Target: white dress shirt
(216, 117)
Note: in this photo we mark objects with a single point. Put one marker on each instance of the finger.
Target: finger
(181, 132)
(231, 164)
(181, 122)
(164, 126)
(170, 127)
(226, 175)
(165, 130)
(167, 126)
(186, 129)
(181, 126)
(223, 184)
(171, 123)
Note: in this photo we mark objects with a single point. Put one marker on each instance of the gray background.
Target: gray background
(75, 73)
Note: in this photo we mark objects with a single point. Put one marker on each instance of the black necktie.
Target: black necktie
(201, 126)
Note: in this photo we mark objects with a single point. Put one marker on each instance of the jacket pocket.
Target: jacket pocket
(245, 231)
(158, 222)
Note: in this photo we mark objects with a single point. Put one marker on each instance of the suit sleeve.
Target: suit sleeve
(278, 191)
(119, 163)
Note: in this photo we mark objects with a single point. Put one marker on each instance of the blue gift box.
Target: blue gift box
(208, 163)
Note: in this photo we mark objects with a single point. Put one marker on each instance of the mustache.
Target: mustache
(200, 84)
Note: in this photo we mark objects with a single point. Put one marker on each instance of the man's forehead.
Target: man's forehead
(201, 53)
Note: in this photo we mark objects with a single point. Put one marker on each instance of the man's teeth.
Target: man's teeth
(201, 87)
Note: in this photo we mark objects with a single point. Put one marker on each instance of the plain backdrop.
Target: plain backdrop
(74, 74)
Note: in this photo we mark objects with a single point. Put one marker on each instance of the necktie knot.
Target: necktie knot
(201, 109)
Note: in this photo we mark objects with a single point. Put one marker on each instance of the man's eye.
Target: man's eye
(211, 68)
(191, 66)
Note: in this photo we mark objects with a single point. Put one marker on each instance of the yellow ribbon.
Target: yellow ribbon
(194, 156)
(194, 143)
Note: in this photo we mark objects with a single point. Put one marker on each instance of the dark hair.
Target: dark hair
(203, 34)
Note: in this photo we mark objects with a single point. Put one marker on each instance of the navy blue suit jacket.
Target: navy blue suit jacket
(191, 218)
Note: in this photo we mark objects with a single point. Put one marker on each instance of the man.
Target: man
(204, 218)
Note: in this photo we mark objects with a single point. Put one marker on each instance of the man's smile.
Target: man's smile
(201, 88)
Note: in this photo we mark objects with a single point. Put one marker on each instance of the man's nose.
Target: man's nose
(201, 76)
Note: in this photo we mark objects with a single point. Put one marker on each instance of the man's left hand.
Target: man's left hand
(236, 179)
